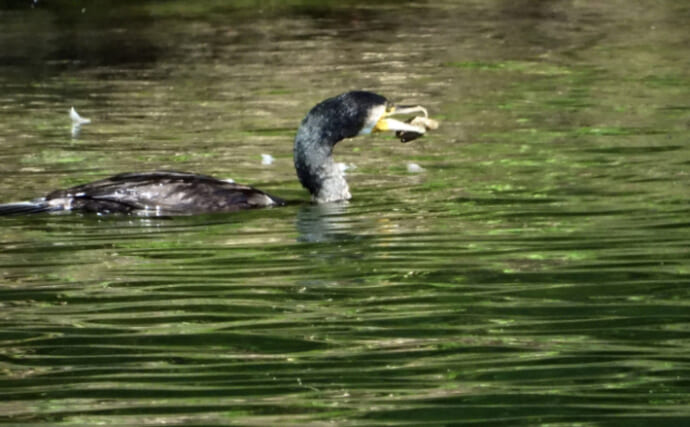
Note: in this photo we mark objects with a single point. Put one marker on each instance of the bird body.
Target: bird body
(160, 192)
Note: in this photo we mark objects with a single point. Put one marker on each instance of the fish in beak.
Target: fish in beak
(410, 129)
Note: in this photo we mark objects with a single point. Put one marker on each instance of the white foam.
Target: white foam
(76, 118)
(414, 168)
(343, 167)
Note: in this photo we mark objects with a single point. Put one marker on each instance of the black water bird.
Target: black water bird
(179, 193)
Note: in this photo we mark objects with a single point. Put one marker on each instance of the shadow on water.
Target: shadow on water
(533, 272)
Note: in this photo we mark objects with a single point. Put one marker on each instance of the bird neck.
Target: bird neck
(328, 122)
(316, 169)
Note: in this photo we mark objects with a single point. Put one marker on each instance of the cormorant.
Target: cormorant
(178, 193)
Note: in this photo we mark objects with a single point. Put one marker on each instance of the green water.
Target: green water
(536, 272)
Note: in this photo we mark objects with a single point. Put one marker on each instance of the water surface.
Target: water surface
(536, 272)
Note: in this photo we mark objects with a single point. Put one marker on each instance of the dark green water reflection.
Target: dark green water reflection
(536, 272)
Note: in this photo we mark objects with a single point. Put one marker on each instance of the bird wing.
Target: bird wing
(162, 191)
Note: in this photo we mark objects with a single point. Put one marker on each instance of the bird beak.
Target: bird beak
(386, 123)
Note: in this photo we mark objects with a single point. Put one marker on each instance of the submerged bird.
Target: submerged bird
(178, 193)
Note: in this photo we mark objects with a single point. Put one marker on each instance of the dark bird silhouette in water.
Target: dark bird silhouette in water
(179, 193)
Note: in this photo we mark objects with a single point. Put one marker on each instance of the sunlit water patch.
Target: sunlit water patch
(533, 271)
